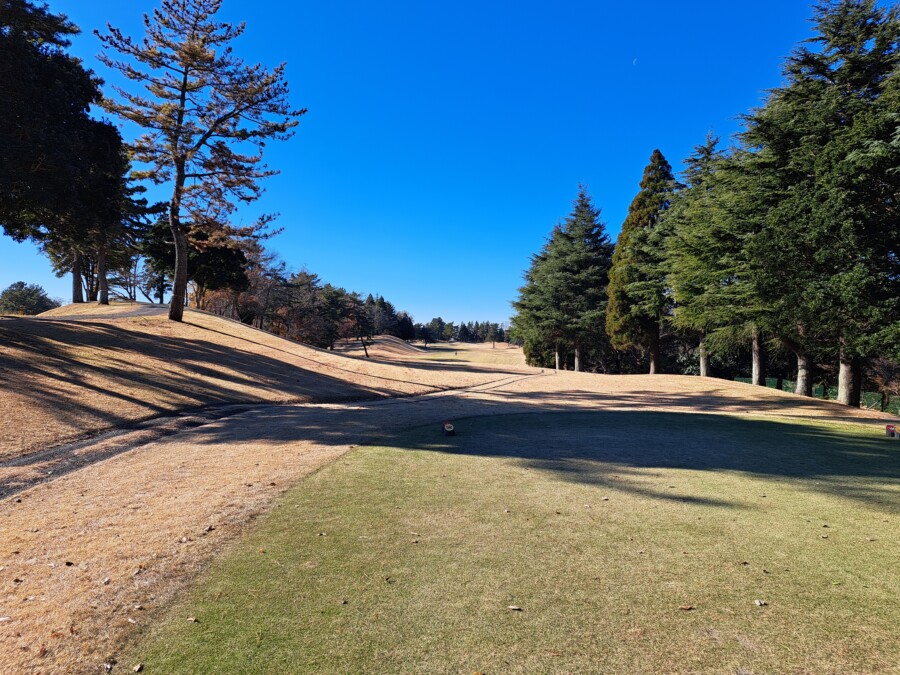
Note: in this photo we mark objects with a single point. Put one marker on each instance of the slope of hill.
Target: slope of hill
(81, 369)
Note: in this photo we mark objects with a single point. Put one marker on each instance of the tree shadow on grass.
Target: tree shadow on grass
(613, 449)
(106, 388)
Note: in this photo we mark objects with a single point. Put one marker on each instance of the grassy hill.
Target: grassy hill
(80, 369)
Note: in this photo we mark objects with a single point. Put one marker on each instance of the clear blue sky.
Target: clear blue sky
(444, 140)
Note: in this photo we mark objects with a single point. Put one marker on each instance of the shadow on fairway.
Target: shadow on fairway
(606, 448)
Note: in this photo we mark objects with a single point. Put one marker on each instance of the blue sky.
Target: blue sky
(444, 140)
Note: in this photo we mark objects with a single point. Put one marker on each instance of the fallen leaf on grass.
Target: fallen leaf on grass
(761, 603)
(686, 608)
(192, 619)
(137, 668)
(514, 608)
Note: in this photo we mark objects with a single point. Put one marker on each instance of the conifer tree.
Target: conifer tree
(637, 294)
(563, 300)
(706, 259)
(206, 116)
(825, 255)
(43, 119)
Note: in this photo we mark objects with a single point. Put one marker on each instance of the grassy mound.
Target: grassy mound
(80, 369)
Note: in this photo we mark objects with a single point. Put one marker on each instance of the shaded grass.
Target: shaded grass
(405, 557)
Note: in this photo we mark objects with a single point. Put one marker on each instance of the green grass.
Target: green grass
(428, 540)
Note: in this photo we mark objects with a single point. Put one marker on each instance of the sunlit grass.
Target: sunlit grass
(600, 527)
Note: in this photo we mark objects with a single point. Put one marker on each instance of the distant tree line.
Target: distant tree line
(302, 307)
(782, 252)
(438, 330)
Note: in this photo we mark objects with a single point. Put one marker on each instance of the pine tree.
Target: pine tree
(825, 255)
(43, 119)
(637, 294)
(207, 117)
(562, 302)
(706, 260)
(28, 299)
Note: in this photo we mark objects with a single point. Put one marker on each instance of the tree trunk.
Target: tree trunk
(779, 384)
(557, 357)
(704, 359)
(653, 348)
(77, 291)
(758, 375)
(364, 347)
(102, 281)
(804, 376)
(849, 378)
(179, 282)
(577, 359)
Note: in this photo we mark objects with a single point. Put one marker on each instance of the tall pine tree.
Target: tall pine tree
(637, 292)
(562, 304)
(206, 115)
(708, 268)
(825, 256)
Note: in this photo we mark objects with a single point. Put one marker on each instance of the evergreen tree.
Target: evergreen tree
(22, 298)
(562, 302)
(825, 256)
(638, 300)
(708, 269)
(207, 117)
(43, 119)
(405, 328)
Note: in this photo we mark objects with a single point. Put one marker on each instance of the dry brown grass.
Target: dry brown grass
(124, 519)
(66, 379)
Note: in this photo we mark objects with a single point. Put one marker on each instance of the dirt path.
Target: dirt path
(88, 557)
